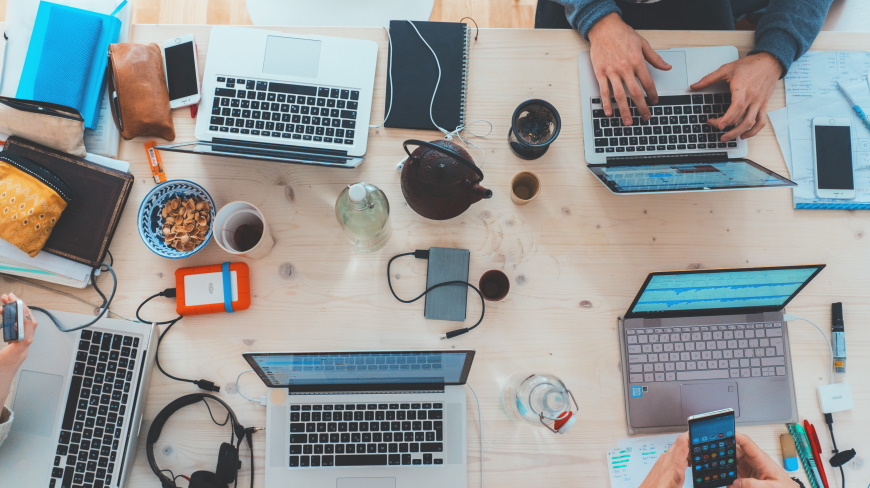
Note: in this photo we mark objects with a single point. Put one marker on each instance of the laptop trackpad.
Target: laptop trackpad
(36, 400)
(365, 483)
(707, 397)
(291, 56)
(676, 78)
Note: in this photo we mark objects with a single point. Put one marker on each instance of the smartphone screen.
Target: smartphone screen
(10, 322)
(833, 145)
(713, 450)
(180, 70)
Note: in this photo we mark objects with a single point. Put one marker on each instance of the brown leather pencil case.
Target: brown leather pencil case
(137, 87)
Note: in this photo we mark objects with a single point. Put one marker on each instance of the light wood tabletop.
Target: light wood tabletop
(575, 256)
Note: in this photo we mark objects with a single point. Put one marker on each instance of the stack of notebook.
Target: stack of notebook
(81, 238)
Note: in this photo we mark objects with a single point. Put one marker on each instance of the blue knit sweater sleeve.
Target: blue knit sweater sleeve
(788, 28)
(583, 14)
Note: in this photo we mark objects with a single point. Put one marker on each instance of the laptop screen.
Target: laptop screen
(320, 371)
(721, 291)
(672, 177)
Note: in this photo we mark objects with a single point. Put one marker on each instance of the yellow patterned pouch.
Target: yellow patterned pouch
(32, 199)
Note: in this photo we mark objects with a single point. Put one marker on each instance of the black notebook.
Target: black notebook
(415, 73)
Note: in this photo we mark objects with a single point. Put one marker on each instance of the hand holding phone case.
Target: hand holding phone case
(32, 200)
(141, 107)
(52, 125)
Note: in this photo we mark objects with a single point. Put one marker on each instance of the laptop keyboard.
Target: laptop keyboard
(284, 111)
(705, 352)
(95, 410)
(678, 123)
(385, 434)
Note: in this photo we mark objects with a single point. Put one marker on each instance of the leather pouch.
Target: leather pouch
(137, 87)
(32, 200)
(52, 125)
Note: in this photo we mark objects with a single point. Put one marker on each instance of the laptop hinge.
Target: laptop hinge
(239, 145)
(700, 158)
(365, 389)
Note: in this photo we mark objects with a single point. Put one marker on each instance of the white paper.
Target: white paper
(816, 73)
(20, 18)
(631, 460)
(800, 130)
(779, 122)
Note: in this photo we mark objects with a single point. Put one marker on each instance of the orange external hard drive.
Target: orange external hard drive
(211, 289)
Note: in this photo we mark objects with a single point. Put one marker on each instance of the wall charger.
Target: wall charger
(835, 397)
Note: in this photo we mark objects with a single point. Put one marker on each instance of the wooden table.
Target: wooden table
(576, 257)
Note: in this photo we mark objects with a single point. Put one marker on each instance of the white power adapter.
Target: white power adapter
(835, 397)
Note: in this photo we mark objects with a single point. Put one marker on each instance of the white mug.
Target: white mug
(237, 214)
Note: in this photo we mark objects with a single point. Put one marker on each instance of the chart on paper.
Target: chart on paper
(633, 458)
(816, 73)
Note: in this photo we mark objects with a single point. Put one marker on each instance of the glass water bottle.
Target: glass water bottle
(363, 213)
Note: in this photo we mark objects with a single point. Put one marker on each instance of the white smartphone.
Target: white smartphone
(832, 148)
(182, 71)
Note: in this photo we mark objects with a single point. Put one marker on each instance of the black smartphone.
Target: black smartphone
(713, 449)
(13, 321)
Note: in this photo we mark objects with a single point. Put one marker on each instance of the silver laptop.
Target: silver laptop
(285, 97)
(78, 404)
(367, 419)
(678, 130)
(702, 340)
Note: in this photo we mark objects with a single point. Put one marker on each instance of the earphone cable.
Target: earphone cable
(788, 317)
(104, 307)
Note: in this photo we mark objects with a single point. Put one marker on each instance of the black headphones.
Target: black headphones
(228, 463)
(446, 151)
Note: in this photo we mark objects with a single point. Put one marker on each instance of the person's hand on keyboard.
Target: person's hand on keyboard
(13, 354)
(619, 56)
(752, 80)
(756, 469)
(669, 471)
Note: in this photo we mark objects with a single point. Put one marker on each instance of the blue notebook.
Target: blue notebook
(67, 57)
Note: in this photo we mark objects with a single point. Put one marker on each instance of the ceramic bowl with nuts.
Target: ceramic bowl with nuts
(175, 219)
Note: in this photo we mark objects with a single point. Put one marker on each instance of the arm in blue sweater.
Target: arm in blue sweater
(788, 28)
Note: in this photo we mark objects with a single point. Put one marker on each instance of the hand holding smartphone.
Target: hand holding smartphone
(13, 321)
(182, 71)
(832, 150)
(713, 449)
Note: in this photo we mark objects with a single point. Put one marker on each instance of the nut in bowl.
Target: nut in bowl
(175, 219)
(186, 223)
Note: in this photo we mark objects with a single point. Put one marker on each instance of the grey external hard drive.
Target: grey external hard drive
(447, 302)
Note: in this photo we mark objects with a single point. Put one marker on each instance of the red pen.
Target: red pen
(817, 450)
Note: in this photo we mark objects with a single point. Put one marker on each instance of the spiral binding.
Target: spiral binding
(464, 90)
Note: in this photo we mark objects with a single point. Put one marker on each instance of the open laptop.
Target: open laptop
(702, 340)
(78, 404)
(284, 97)
(676, 150)
(367, 419)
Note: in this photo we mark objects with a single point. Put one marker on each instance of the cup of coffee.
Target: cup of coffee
(494, 285)
(525, 186)
(240, 229)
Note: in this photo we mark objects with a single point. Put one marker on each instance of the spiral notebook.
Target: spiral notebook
(415, 73)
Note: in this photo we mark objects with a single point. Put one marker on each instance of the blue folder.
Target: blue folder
(67, 57)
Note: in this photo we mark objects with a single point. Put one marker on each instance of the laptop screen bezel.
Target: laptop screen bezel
(356, 387)
(630, 314)
(600, 172)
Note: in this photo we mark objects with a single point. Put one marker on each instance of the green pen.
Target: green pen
(802, 443)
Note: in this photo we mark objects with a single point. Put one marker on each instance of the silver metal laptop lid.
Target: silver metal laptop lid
(266, 152)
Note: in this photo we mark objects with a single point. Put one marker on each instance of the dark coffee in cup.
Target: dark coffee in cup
(494, 285)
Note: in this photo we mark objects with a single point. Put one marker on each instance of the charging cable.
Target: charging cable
(424, 254)
(170, 293)
(262, 401)
(104, 307)
(480, 427)
(839, 458)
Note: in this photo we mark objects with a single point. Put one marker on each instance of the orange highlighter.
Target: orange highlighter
(817, 450)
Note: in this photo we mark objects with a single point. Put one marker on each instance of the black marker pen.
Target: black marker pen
(838, 332)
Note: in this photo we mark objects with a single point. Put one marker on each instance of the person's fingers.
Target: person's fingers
(754, 483)
(749, 120)
(30, 324)
(734, 114)
(760, 122)
(718, 75)
(604, 89)
(653, 57)
(646, 81)
(4, 298)
(638, 99)
(621, 100)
